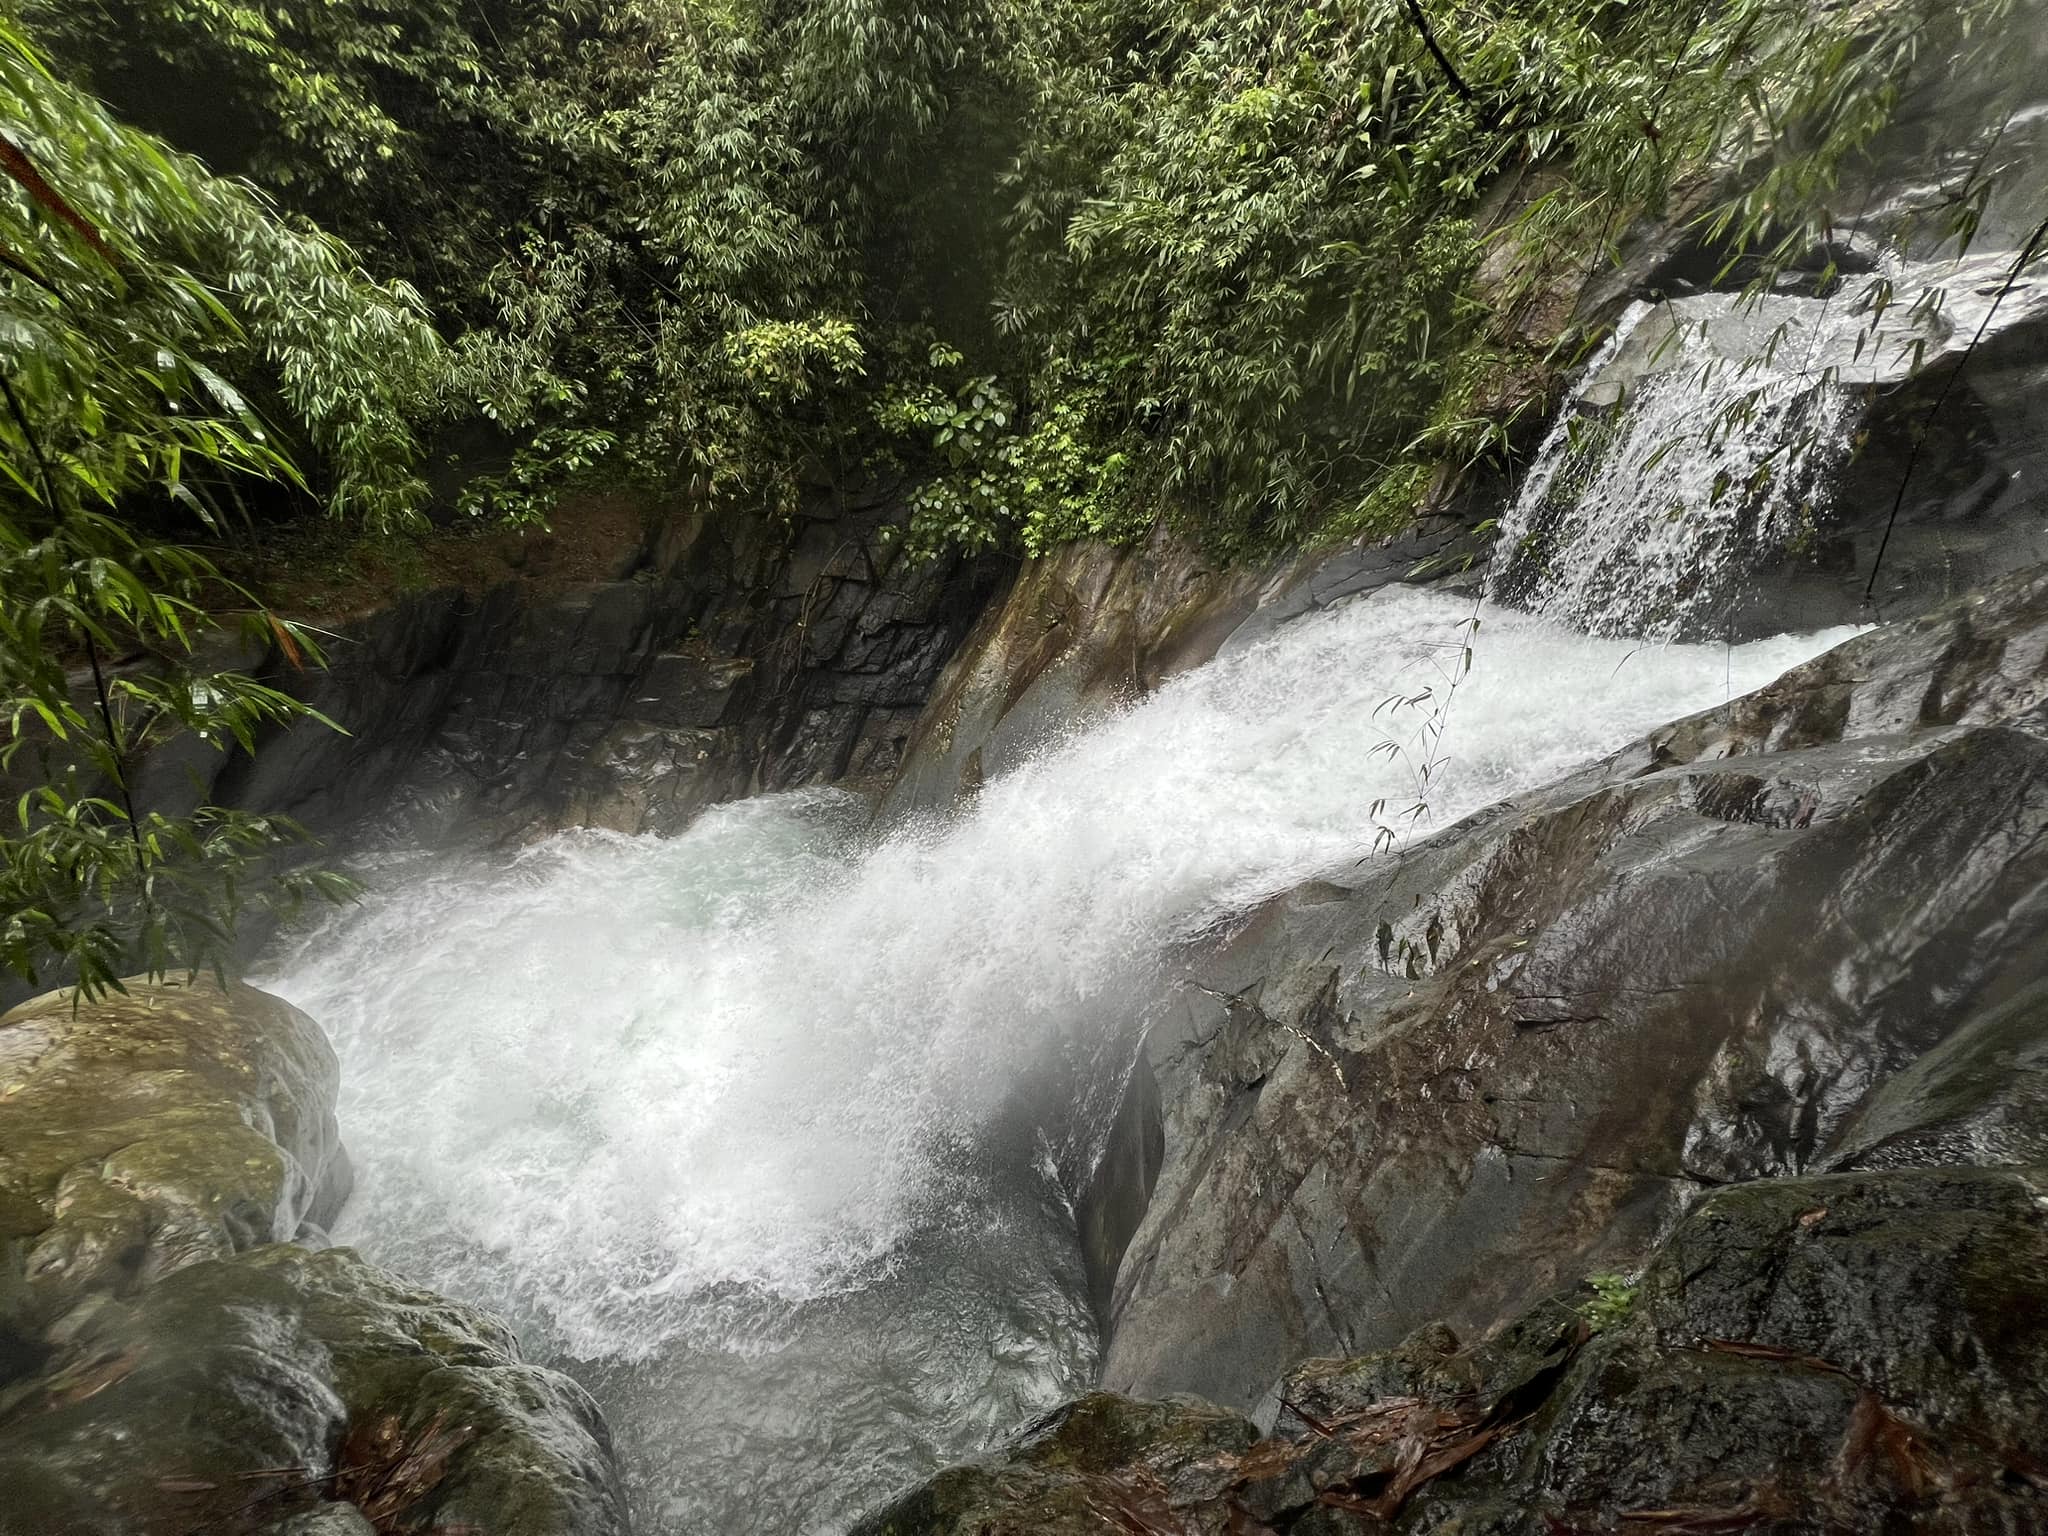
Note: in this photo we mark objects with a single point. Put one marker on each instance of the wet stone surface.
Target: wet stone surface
(1746, 1020)
(171, 1362)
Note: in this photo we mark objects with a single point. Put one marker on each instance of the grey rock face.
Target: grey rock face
(735, 658)
(1858, 1352)
(1457, 1080)
(1751, 1012)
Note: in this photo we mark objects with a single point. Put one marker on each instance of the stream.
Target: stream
(757, 1129)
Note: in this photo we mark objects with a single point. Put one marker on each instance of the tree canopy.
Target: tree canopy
(1059, 266)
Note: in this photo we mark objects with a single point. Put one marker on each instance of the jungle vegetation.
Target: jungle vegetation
(1047, 268)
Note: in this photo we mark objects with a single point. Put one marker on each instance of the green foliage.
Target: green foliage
(1058, 266)
(1612, 1303)
(1255, 267)
(631, 218)
(1045, 475)
(129, 279)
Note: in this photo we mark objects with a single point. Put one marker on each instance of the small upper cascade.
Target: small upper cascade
(1675, 469)
(1703, 440)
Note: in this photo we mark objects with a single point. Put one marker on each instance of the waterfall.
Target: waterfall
(741, 1125)
(1701, 442)
(765, 1130)
(1639, 512)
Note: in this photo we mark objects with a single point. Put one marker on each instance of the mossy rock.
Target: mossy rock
(155, 1128)
(1099, 1459)
(263, 1390)
(168, 1364)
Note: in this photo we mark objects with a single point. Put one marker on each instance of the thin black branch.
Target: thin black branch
(1436, 52)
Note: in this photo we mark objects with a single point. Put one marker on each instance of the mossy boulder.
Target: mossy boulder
(247, 1392)
(155, 1128)
(171, 1363)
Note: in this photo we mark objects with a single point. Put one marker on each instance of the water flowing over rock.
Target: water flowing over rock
(1246, 966)
(1640, 521)
(1804, 931)
(822, 1102)
(1723, 450)
(1434, 1087)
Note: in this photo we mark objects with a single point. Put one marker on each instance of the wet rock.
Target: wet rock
(170, 1363)
(1979, 1098)
(1113, 1200)
(1103, 1462)
(151, 1130)
(729, 657)
(1855, 1352)
(1080, 631)
(1453, 1081)
(239, 1391)
(325, 1520)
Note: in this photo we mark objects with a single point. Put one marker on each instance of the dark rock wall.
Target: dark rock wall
(1838, 1354)
(734, 658)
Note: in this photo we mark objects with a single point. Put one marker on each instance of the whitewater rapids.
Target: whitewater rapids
(709, 1117)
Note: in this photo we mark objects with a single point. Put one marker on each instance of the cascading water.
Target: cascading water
(1635, 522)
(741, 1125)
(761, 1129)
(1703, 438)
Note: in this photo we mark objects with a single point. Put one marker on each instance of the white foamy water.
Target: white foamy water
(1705, 434)
(1639, 521)
(704, 1099)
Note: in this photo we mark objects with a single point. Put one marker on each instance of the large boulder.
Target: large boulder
(248, 1391)
(1459, 1078)
(1856, 1352)
(157, 1127)
(172, 1361)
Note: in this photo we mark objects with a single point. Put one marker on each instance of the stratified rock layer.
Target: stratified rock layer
(734, 657)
